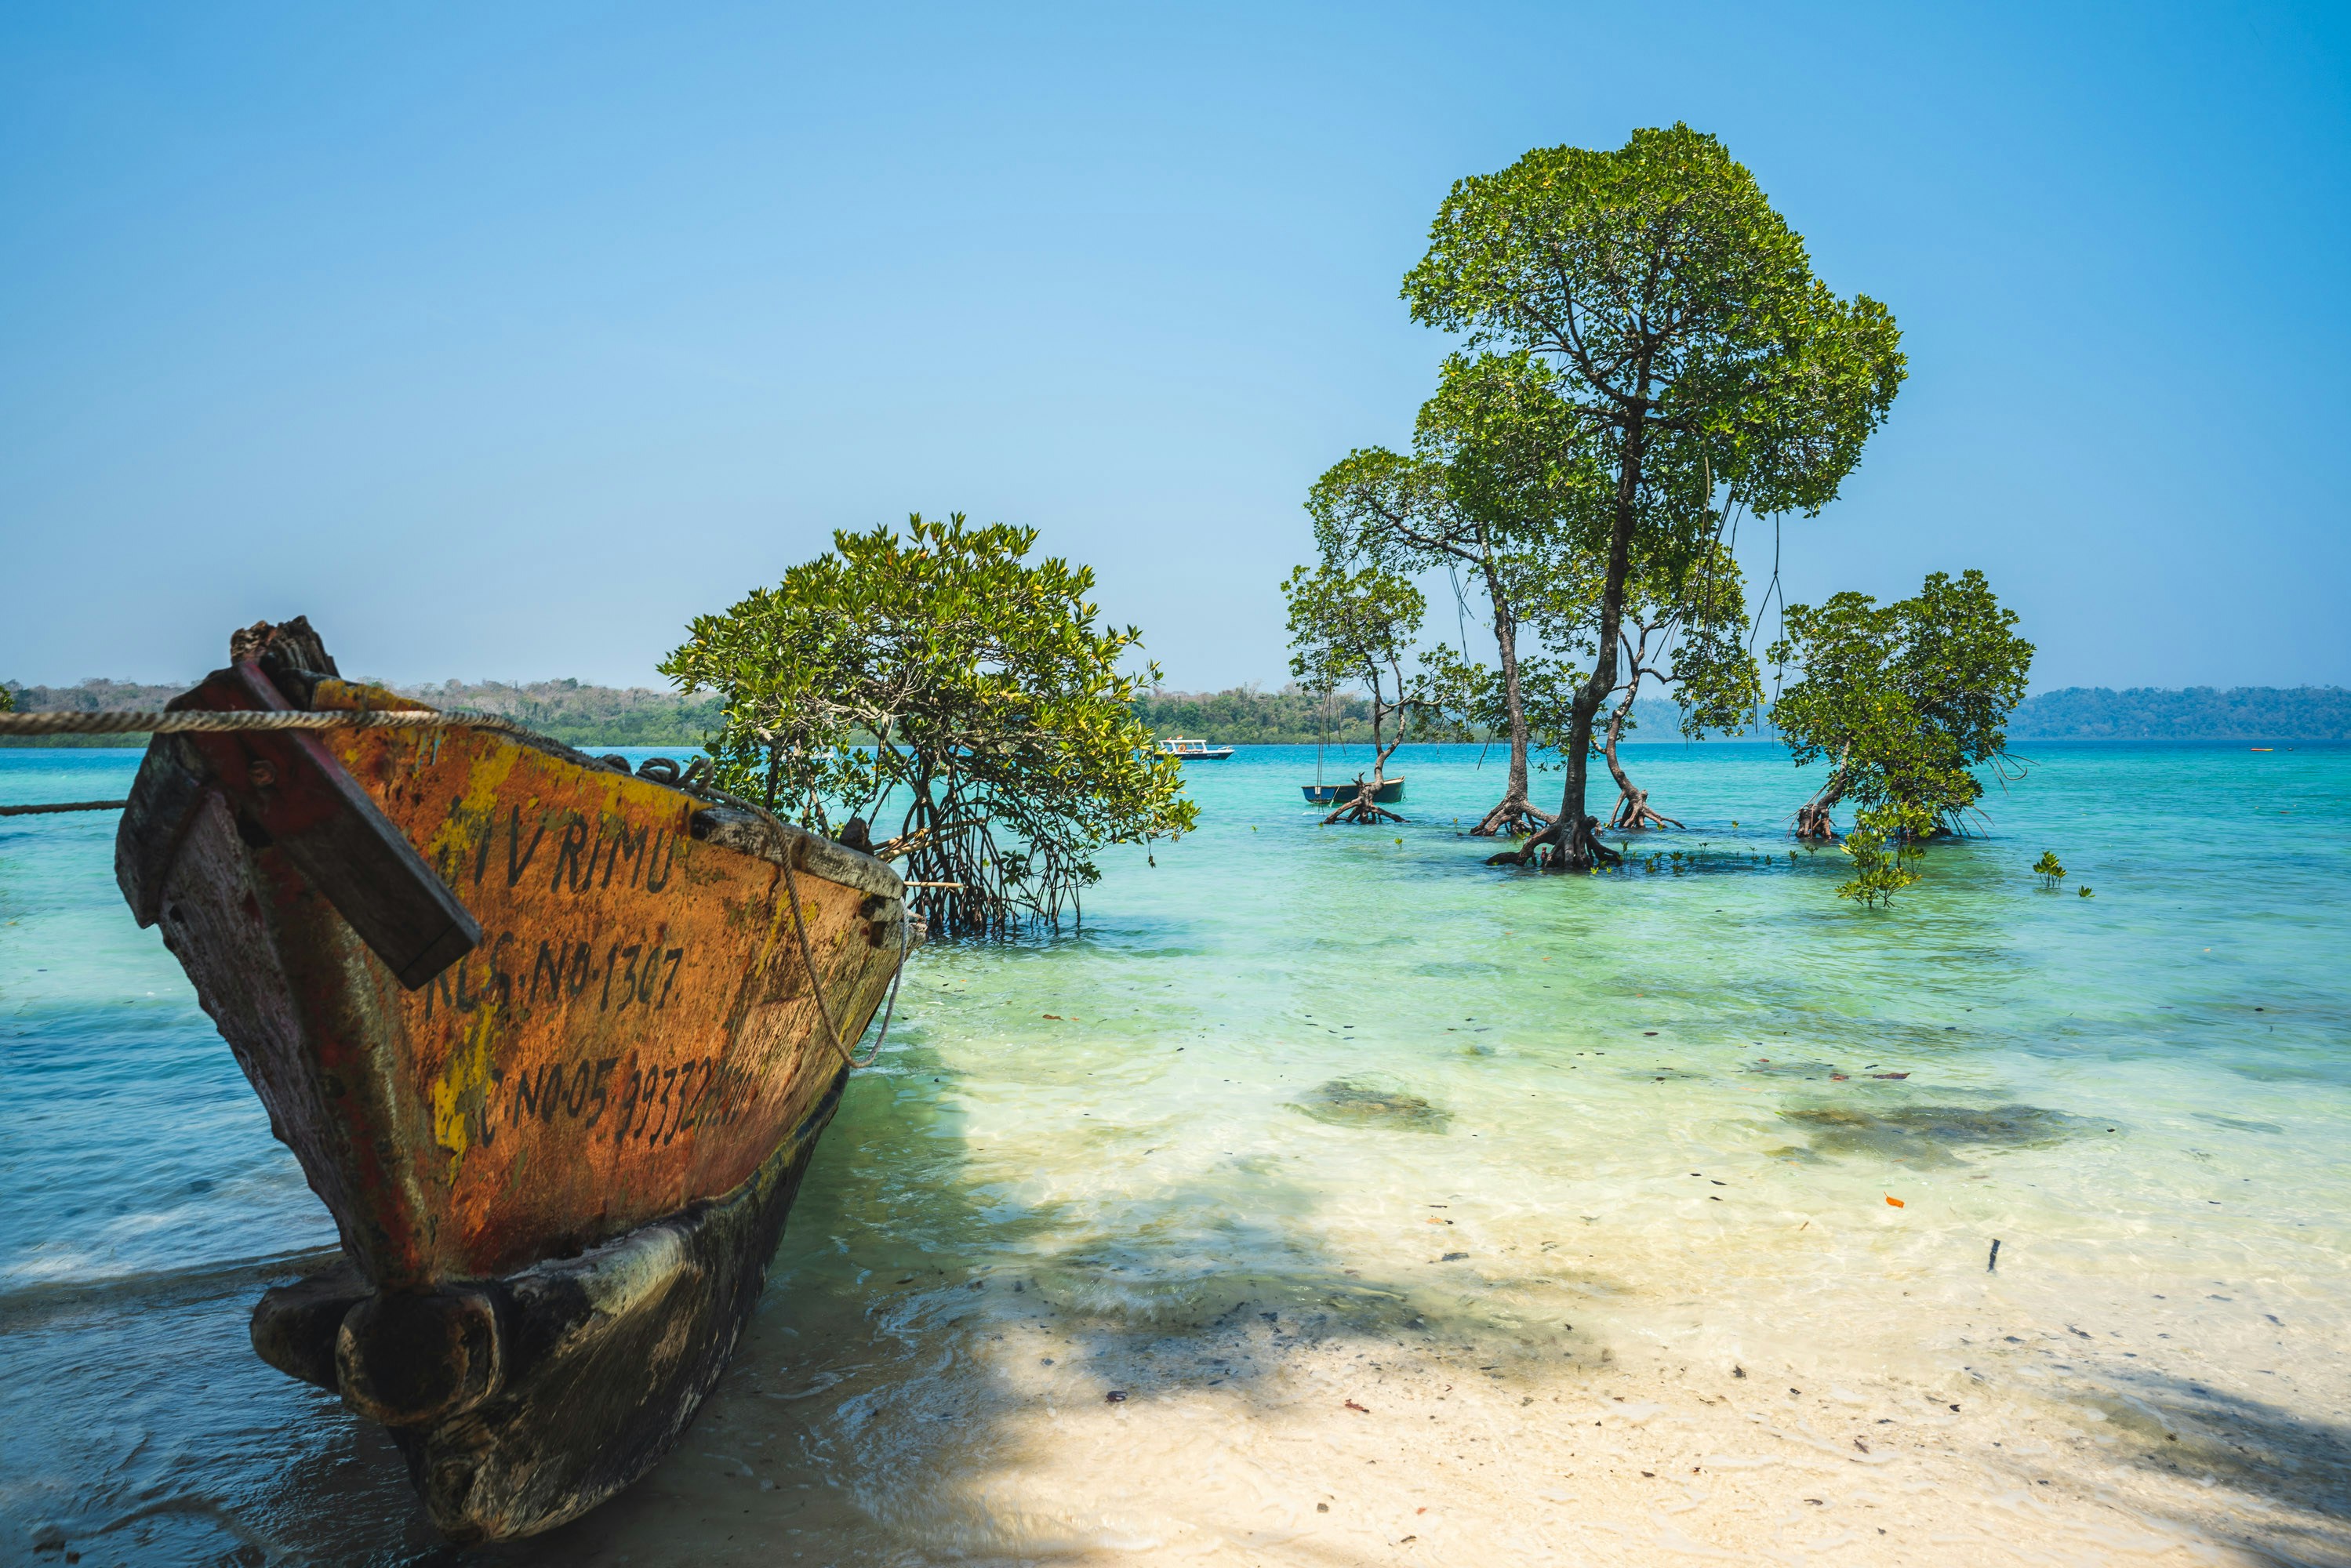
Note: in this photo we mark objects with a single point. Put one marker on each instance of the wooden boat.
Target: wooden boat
(1390, 792)
(1195, 750)
(544, 1037)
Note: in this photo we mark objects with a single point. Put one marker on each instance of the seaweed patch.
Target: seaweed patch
(1927, 1135)
(1366, 1102)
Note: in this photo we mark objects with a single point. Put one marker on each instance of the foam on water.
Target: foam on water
(1341, 1156)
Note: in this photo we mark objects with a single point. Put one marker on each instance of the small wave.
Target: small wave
(40, 1298)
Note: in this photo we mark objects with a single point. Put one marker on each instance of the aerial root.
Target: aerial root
(1513, 817)
(1634, 819)
(1589, 850)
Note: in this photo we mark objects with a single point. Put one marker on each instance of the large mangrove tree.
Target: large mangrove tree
(1690, 345)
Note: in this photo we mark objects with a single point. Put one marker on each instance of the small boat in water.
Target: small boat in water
(552, 1039)
(1389, 792)
(1194, 751)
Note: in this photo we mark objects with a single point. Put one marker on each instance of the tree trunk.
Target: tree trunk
(1363, 808)
(1574, 838)
(1512, 815)
(1583, 849)
(1812, 816)
(1632, 812)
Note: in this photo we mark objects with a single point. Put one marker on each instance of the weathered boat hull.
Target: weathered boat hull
(549, 1039)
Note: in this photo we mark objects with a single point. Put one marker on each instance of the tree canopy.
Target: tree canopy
(1689, 348)
(1903, 700)
(942, 673)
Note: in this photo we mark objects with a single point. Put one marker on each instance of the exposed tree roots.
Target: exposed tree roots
(1551, 849)
(1513, 817)
(1634, 813)
(1813, 821)
(1360, 807)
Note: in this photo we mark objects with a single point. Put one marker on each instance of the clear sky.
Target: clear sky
(502, 340)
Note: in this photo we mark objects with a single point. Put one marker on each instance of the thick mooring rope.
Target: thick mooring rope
(210, 721)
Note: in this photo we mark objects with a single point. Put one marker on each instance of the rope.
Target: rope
(905, 924)
(63, 805)
(816, 990)
(807, 954)
(205, 721)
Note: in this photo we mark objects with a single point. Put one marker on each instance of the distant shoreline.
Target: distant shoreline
(590, 716)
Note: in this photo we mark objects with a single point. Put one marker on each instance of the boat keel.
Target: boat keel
(521, 1403)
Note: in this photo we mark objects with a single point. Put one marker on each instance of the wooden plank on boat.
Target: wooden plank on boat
(288, 786)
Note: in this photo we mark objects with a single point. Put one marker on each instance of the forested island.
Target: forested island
(579, 714)
(1247, 715)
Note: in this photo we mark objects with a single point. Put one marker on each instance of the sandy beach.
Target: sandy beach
(977, 1422)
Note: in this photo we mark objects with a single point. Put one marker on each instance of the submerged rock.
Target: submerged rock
(1366, 1102)
(1926, 1135)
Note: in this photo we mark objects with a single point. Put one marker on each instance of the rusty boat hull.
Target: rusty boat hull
(548, 1039)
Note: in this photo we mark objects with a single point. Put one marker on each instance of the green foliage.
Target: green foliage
(1547, 687)
(1350, 626)
(1450, 697)
(1902, 699)
(2050, 870)
(1509, 441)
(1001, 718)
(1884, 849)
(89, 696)
(1292, 716)
(1685, 628)
(1667, 294)
(1381, 508)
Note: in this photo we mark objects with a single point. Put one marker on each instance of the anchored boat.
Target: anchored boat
(553, 1040)
(1389, 792)
(1386, 793)
(1195, 750)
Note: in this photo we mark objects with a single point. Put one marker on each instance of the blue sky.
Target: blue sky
(501, 340)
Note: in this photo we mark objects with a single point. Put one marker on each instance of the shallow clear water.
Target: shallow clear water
(1304, 1104)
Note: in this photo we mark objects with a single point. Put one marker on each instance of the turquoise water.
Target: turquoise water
(1301, 1106)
